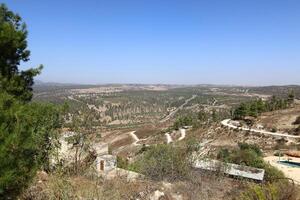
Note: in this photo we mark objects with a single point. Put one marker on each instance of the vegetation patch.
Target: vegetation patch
(250, 155)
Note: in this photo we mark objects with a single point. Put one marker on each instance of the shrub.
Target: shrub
(122, 162)
(274, 130)
(255, 148)
(183, 121)
(272, 173)
(250, 155)
(224, 155)
(163, 162)
(280, 190)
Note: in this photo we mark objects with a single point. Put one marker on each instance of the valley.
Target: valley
(131, 119)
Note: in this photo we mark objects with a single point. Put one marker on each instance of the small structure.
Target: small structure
(104, 161)
(231, 169)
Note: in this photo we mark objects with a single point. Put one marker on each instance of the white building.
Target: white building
(104, 161)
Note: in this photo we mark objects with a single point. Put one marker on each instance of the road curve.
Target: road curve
(227, 124)
(136, 139)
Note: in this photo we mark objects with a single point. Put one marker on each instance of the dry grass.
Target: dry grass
(147, 131)
(80, 187)
(122, 142)
(283, 120)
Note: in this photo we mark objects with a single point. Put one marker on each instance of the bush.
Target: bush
(163, 162)
(274, 130)
(250, 155)
(224, 155)
(255, 148)
(280, 190)
(183, 121)
(122, 162)
(272, 173)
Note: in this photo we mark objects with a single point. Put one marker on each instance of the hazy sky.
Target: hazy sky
(248, 42)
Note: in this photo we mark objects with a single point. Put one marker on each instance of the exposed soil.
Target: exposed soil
(281, 120)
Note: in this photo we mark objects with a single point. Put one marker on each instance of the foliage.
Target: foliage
(279, 190)
(250, 155)
(82, 127)
(164, 162)
(26, 128)
(183, 121)
(25, 143)
(13, 48)
(122, 162)
(256, 107)
(224, 155)
(253, 147)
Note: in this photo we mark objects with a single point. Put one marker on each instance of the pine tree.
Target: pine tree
(13, 48)
(25, 127)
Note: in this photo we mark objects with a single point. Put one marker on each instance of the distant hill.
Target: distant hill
(277, 90)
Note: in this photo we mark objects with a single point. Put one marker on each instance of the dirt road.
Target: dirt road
(177, 109)
(226, 122)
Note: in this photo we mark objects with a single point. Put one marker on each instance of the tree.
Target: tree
(82, 127)
(25, 133)
(253, 111)
(13, 48)
(26, 128)
(260, 106)
(241, 111)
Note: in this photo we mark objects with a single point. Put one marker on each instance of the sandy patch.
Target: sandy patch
(289, 171)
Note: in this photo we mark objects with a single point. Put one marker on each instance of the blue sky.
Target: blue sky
(244, 42)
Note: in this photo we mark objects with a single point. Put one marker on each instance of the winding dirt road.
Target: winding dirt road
(226, 123)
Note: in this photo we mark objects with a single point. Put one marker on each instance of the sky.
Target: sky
(232, 42)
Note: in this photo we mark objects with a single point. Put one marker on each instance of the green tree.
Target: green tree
(260, 106)
(13, 48)
(253, 109)
(25, 132)
(241, 111)
(26, 128)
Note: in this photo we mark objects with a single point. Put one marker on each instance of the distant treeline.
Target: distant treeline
(256, 107)
(201, 118)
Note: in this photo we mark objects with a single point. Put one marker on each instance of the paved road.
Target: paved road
(177, 109)
(226, 122)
